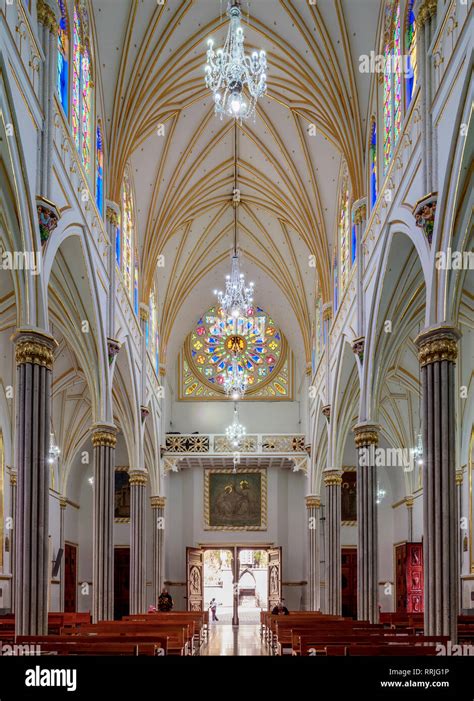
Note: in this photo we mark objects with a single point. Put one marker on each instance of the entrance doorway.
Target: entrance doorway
(241, 592)
(349, 582)
(121, 582)
(70, 577)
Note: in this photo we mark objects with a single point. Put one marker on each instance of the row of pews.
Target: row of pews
(312, 633)
(156, 634)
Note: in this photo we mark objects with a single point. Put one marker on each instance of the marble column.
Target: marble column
(104, 439)
(48, 32)
(34, 359)
(437, 353)
(459, 481)
(333, 481)
(313, 504)
(158, 507)
(13, 482)
(409, 501)
(62, 507)
(366, 438)
(138, 481)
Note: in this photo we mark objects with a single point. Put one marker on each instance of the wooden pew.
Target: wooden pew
(179, 636)
(50, 643)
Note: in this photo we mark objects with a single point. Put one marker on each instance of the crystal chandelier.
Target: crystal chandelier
(235, 382)
(54, 451)
(235, 433)
(232, 75)
(238, 297)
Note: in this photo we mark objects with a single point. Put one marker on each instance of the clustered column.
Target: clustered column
(437, 353)
(138, 481)
(366, 439)
(333, 481)
(313, 504)
(104, 439)
(158, 509)
(34, 359)
(13, 482)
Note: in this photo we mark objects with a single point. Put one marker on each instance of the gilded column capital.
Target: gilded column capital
(366, 434)
(47, 16)
(326, 411)
(360, 212)
(158, 502)
(144, 311)
(409, 501)
(138, 478)
(459, 477)
(63, 502)
(437, 343)
(104, 435)
(313, 502)
(34, 346)
(327, 311)
(112, 216)
(425, 12)
(332, 478)
(13, 478)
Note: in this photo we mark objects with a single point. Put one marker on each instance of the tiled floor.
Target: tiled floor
(241, 640)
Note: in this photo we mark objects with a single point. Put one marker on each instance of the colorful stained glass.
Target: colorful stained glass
(127, 235)
(373, 162)
(344, 230)
(99, 175)
(260, 348)
(152, 331)
(76, 81)
(353, 244)
(135, 284)
(86, 111)
(63, 58)
(410, 44)
(81, 87)
(118, 247)
(393, 69)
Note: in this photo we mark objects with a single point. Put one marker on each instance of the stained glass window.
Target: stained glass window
(135, 284)
(99, 175)
(344, 230)
(127, 236)
(410, 44)
(318, 329)
(63, 58)
(392, 94)
(373, 162)
(152, 331)
(118, 247)
(76, 81)
(81, 87)
(353, 243)
(209, 349)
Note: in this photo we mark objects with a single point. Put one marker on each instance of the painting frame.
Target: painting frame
(349, 506)
(212, 522)
(118, 472)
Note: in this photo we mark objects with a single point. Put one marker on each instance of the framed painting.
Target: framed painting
(122, 495)
(349, 497)
(235, 500)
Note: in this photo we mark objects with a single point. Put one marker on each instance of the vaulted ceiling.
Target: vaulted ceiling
(151, 59)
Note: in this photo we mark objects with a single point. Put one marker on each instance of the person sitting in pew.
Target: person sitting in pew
(280, 610)
(165, 601)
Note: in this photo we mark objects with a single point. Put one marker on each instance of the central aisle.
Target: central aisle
(241, 640)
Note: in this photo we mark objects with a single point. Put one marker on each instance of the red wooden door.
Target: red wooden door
(121, 582)
(349, 581)
(70, 578)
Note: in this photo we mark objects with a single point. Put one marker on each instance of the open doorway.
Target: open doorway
(251, 589)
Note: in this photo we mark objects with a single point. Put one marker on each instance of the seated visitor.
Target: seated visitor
(165, 601)
(280, 610)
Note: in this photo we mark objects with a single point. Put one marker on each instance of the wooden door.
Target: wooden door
(274, 577)
(415, 577)
(349, 582)
(195, 579)
(121, 582)
(70, 578)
